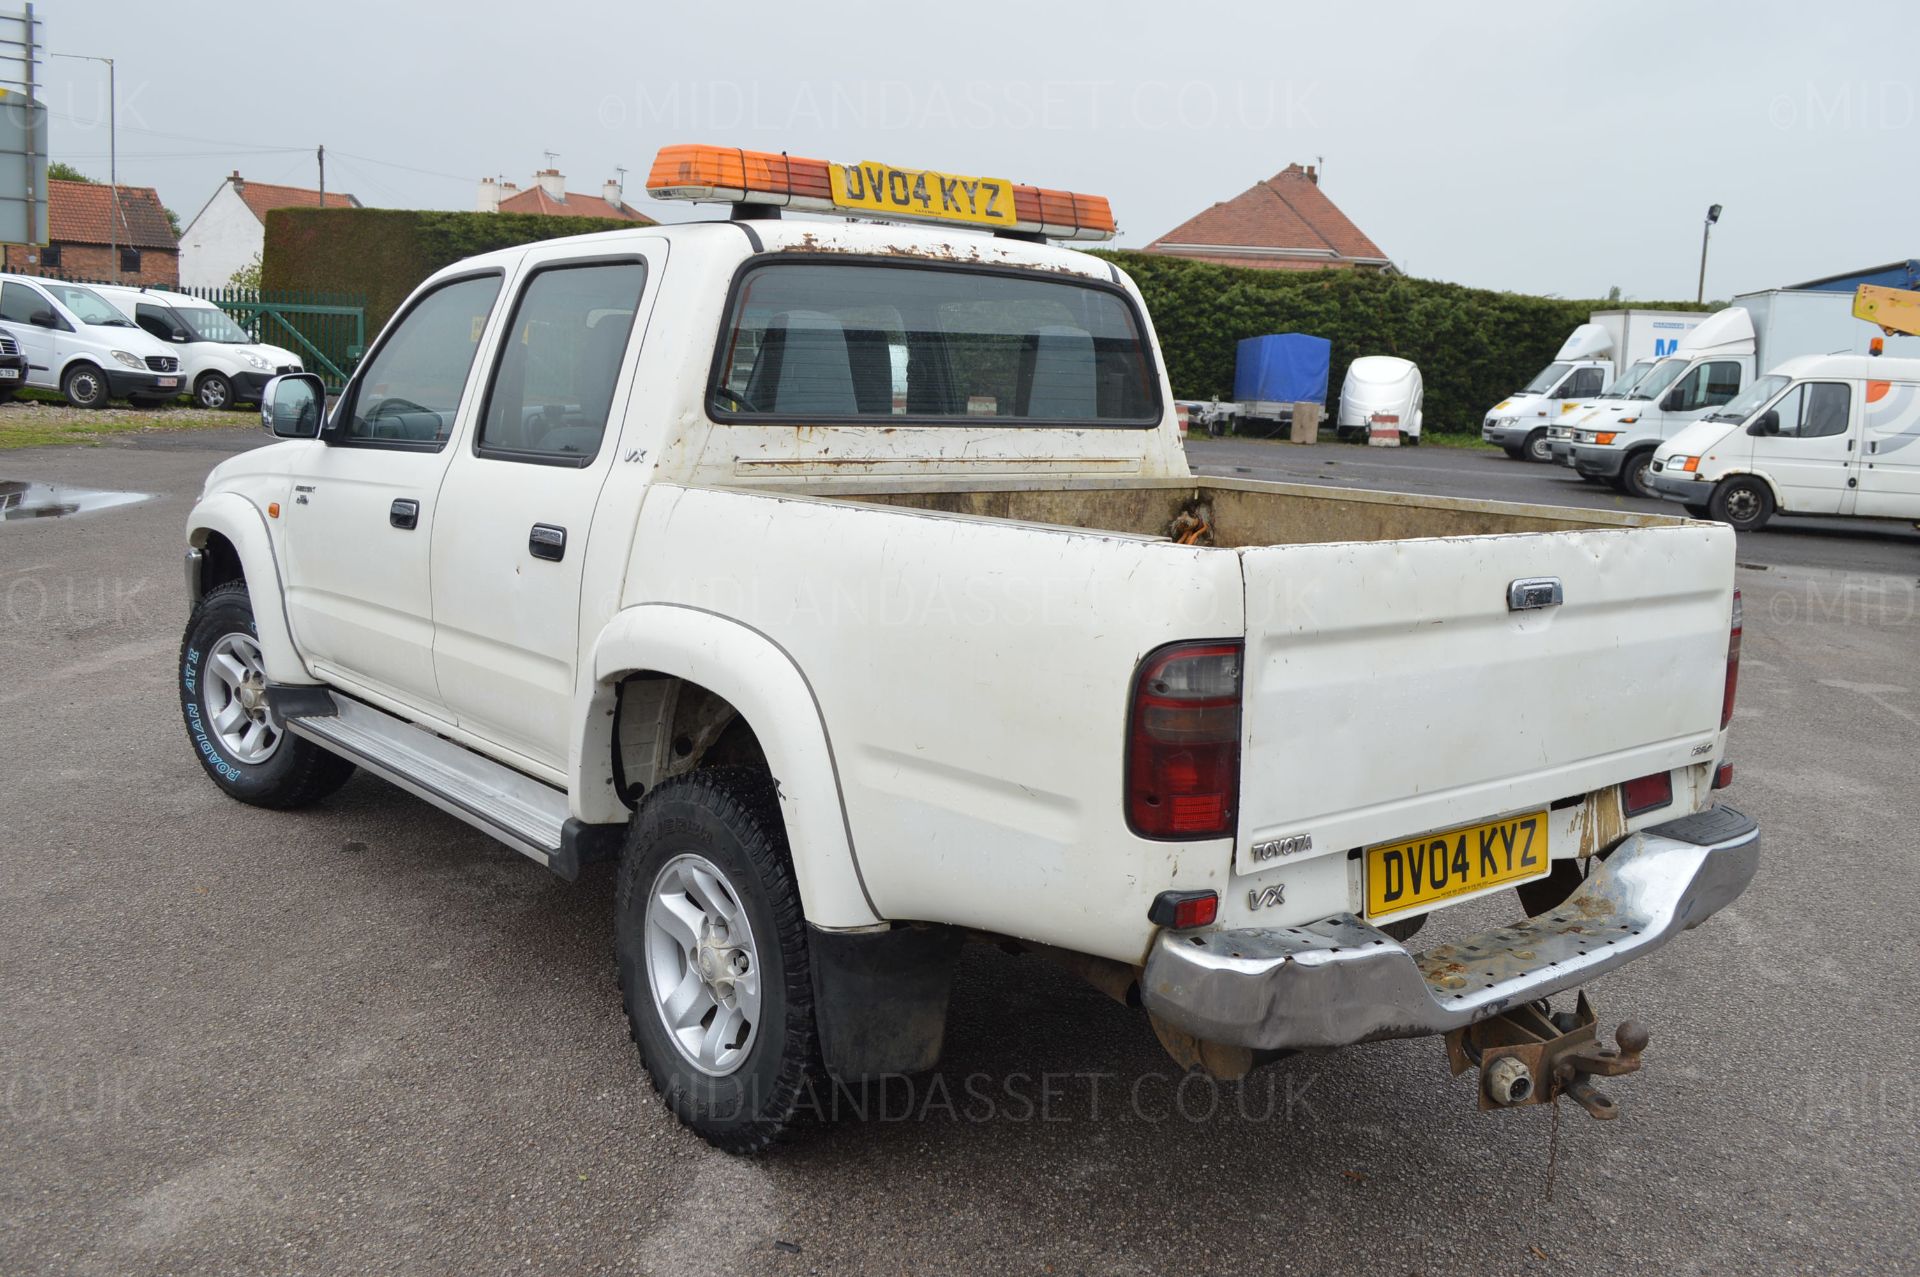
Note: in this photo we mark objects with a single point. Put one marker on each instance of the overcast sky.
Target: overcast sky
(1546, 149)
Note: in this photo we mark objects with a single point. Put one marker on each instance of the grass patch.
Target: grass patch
(1471, 443)
(43, 428)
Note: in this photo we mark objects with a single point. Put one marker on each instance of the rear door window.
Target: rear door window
(935, 345)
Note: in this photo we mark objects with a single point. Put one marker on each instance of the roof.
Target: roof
(1864, 367)
(536, 200)
(1283, 223)
(263, 197)
(82, 213)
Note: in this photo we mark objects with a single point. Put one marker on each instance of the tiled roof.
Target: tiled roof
(536, 200)
(263, 197)
(82, 213)
(1287, 219)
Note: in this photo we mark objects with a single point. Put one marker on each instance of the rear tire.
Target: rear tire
(1743, 503)
(711, 946)
(84, 385)
(1536, 446)
(241, 743)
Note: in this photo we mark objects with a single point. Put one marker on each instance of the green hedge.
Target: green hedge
(382, 254)
(1474, 347)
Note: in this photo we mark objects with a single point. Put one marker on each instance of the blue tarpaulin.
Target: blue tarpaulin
(1893, 275)
(1282, 368)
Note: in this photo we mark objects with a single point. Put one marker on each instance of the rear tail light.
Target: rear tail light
(1183, 909)
(1733, 663)
(1183, 742)
(1647, 793)
(1723, 775)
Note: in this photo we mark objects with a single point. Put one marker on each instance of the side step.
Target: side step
(516, 809)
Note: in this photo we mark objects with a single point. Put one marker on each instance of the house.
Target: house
(549, 197)
(1284, 223)
(231, 230)
(87, 238)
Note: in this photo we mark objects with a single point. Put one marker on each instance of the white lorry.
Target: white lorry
(849, 585)
(1594, 354)
(1615, 442)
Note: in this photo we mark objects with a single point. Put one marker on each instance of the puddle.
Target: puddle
(52, 501)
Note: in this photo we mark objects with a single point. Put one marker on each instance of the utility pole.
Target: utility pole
(1713, 215)
(322, 155)
(113, 157)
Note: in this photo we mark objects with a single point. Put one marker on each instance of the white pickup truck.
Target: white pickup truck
(848, 584)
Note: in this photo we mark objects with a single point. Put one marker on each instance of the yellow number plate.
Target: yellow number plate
(1437, 867)
(902, 192)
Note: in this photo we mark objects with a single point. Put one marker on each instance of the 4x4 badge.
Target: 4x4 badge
(1274, 893)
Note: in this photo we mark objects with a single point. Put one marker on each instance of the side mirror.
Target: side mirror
(1767, 423)
(293, 405)
(1672, 402)
(43, 319)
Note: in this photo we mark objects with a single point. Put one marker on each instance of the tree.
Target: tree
(173, 220)
(60, 171)
(247, 276)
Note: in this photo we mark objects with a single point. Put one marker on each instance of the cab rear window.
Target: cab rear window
(842, 341)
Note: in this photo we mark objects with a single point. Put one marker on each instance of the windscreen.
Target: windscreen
(1658, 378)
(88, 306)
(1748, 401)
(1549, 378)
(933, 344)
(208, 323)
(1627, 380)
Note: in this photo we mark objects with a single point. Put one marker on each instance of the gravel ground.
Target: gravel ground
(362, 1039)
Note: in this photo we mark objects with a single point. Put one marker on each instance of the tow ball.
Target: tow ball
(1533, 1054)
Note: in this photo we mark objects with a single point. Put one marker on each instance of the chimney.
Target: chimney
(1313, 176)
(239, 184)
(552, 183)
(611, 193)
(489, 201)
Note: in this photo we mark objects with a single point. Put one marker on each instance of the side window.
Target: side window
(409, 390)
(156, 321)
(130, 261)
(18, 302)
(1584, 384)
(1814, 410)
(1707, 386)
(554, 384)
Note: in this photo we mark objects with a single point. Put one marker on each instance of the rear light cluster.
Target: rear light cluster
(1647, 793)
(1733, 663)
(1183, 742)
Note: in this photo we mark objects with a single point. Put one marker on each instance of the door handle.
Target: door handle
(404, 514)
(547, 542)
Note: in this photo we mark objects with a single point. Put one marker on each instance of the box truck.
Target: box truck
(1593, 355)
(1615, 442)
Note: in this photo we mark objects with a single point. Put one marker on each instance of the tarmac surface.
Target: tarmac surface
(361, 1038)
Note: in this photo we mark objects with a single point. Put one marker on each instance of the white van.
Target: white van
(1382, 388)
(220, 363)
(1822, 434)
(76, 342)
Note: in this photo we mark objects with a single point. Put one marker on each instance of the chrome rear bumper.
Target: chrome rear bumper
(1340, 981)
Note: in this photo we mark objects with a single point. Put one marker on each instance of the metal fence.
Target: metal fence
(327, 330)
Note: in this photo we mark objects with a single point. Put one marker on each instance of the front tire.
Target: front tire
(1514, 451)
(241, 743)
(1536, 446)
(84, 385)
(1697, 510)
(712, 951)
(1633, 475)
(1743, 503)
(213, 392)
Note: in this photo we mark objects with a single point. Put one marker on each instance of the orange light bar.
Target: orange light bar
(724, 174)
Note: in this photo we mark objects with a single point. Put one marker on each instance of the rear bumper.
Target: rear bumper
(1340, 981)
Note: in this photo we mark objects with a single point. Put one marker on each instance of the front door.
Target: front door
(18, 305)
(1890, 471)
(518, 505)
(1810, 450)
(1705, 387)
(361, 512)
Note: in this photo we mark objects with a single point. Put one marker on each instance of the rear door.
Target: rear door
(1812, 458)
(1391, 690)
(517, 510)
(1890, 470)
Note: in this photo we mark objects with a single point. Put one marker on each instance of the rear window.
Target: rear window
(847, 341)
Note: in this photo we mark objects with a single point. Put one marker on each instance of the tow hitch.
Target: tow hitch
(1533, 1054)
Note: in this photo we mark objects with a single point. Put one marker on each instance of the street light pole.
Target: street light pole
(113, 157)
(1713, 215)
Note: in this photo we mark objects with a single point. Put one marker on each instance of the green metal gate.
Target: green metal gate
(327, 330)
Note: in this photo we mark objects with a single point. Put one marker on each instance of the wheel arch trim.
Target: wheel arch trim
(762, 681)
(244, 527)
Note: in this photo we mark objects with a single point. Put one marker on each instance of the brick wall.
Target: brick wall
(95, 261)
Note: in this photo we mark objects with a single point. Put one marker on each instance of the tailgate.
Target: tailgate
(1390, 691)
